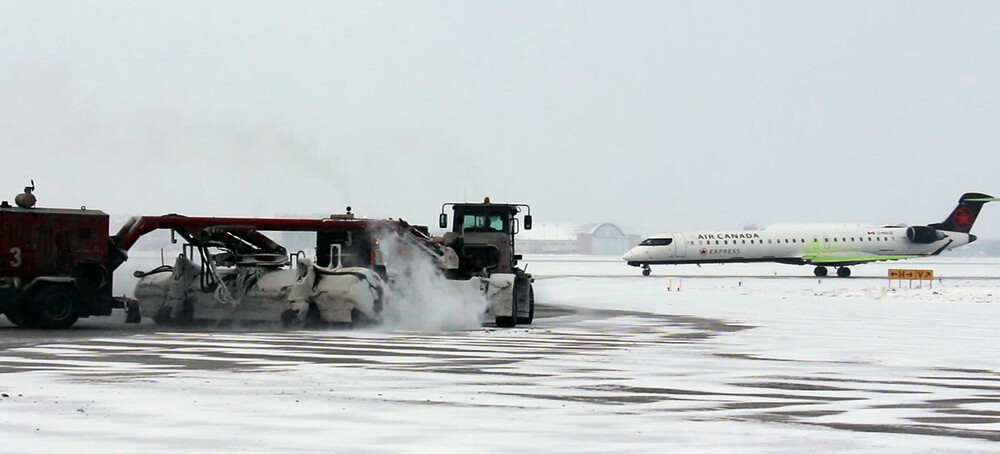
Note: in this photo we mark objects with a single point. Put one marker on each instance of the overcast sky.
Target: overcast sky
(658, 116)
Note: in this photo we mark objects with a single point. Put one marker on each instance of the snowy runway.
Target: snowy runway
(612, 364)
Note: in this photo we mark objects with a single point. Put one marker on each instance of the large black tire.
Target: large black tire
(360, 320)
(21, 320)
(186, 317)
(509, 321)
(531, 308)
(290, 319)
(54, 306)
(820, 271)
(843, 272)
(506, 322)
(162, 316)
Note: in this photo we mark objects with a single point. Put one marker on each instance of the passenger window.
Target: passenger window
(834, 240)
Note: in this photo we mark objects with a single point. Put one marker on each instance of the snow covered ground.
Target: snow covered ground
(754, 358)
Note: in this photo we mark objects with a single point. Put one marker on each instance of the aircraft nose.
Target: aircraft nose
(629, 256)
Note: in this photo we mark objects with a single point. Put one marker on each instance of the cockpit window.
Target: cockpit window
(657, 242)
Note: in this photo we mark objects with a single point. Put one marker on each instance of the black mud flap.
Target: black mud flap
(132, 314)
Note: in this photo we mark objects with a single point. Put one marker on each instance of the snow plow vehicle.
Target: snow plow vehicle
(253, 279)
(482, 235)
(360, 264)
(58, 267)
(243, 275)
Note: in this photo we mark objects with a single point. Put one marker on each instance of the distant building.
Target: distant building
(598, 239)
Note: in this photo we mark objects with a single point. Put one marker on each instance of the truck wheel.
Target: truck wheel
(510, 321)
(506, 322)
(162, 316)
(54, 306)
(289, 318)
(531, 308)
(21, 320)
(185, 318)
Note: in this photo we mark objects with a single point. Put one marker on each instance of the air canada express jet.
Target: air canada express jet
(839, 246)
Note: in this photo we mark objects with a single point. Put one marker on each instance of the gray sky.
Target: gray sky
(659, 116)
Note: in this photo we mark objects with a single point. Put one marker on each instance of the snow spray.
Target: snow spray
(420, 297)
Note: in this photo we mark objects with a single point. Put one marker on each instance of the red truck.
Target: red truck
(56, 265)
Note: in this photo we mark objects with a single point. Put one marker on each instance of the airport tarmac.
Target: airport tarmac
(619, 363)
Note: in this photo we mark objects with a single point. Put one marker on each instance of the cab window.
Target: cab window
(484, 222)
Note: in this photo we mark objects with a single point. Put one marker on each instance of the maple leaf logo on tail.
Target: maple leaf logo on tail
(965, 213)
(963, 218)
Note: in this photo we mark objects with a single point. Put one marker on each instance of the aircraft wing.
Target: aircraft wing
(847, 260)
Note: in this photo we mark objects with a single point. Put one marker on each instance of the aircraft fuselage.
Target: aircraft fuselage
(832, 246)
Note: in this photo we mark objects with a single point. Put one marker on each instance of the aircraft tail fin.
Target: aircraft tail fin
(964, 215)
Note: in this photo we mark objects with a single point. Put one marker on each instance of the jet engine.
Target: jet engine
(922, 234)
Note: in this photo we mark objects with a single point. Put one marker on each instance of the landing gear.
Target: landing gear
(842, 271)
(646, 271)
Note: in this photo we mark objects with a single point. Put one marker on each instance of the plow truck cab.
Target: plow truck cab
(482, 235)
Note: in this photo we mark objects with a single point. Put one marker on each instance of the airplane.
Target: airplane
(837, 246)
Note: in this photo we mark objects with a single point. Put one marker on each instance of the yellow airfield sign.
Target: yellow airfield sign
(920, 275)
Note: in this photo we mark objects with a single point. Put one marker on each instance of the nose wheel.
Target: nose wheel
(646, 270)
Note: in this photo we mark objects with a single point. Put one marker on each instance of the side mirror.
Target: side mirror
(527, 222)
(443, 221)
